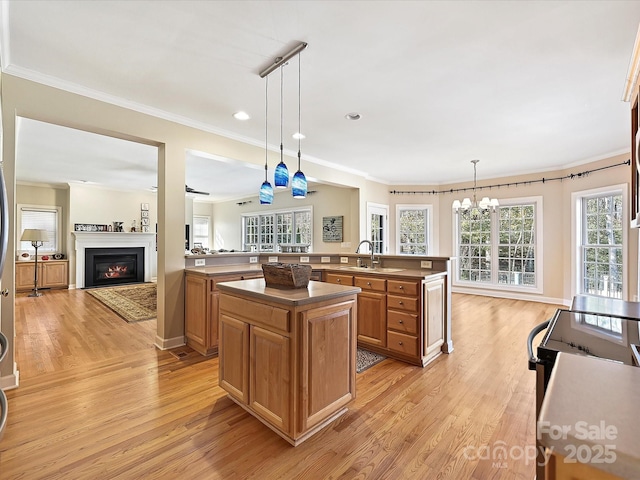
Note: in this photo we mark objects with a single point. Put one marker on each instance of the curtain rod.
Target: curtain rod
(509, 184)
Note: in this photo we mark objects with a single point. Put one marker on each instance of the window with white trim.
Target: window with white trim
(42, 218)
(263, 232)
(201, 229)
(413, 229)
(500, 249)
(601, 245)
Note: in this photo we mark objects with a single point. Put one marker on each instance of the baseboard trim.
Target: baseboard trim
(513, 296)
(167, 343)
(10, 381)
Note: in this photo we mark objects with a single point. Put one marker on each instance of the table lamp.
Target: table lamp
(37, 238)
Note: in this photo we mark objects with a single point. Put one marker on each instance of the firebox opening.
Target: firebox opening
(113, 266)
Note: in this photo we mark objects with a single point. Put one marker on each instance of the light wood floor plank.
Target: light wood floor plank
(98, 401)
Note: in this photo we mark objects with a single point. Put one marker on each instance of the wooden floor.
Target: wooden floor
(98, 401)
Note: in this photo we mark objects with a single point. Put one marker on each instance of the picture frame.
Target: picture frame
(144, 207)
(89, 227)
(332, 229)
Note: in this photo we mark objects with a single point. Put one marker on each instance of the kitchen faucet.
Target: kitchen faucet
(373, 260)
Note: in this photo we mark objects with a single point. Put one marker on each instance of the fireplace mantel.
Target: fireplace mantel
(112, 239)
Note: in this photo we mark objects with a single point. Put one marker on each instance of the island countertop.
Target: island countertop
(247, 268)
(315, 292)
(590, 408)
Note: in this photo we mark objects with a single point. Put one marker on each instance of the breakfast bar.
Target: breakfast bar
(288, 356)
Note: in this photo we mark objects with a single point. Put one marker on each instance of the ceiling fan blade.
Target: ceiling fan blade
(188, 189)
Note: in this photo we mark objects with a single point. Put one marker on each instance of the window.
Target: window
(516, 245)
(265, 231)
(43, 218)
(499, 250)
(413, 227)
(201, 230)
(377, 216)
(601, 245)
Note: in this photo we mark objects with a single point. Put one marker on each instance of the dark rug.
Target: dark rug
(366, 359)
(134, 303)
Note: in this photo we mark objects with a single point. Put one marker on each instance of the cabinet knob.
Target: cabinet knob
(401, 321)
(339, 280)
(399, 343)
(369, 283)
(401, 287)
(401, 303)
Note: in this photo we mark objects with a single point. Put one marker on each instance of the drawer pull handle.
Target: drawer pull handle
(401, 287)
(339, 280)
(399, 343)
(400, 303)
(369, 283)
(400, 322)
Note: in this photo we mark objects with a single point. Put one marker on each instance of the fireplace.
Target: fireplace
(113, 266)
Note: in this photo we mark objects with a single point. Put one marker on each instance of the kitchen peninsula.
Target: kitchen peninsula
(404, 308)
(288, 357)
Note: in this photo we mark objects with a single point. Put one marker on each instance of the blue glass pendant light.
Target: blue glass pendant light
(266, 190)
(281, 175)
(299, 182)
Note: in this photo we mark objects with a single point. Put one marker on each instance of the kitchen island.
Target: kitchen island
(288, 357)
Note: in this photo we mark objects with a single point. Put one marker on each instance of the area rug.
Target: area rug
(366, 359)
(134, 303)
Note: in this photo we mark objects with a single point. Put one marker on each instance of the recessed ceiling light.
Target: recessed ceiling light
(353, 116)
(241, 115)
(298, 135)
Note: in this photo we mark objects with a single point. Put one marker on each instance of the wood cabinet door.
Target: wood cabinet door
(372, 318)
(434, 298)
(270, 392)
(328, 370)
(54, 274)
(195, 312)
(24, 276)
(234, 358)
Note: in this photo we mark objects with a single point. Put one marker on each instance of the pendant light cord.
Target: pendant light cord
(266, 123)
(281, 114)
(299, 96)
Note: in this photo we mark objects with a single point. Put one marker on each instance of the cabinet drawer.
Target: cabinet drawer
(403, 322)
(409, 304)
(369, 283)
(402, 343)
(339, 279)
(256, 313)
(403, 287)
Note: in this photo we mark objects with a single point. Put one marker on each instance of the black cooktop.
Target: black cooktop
(598, 335)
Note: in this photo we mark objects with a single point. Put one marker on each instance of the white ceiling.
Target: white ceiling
(525, 86)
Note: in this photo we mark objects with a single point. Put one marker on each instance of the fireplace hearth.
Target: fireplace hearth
(113, 266)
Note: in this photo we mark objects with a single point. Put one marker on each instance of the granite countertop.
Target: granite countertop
(315, 292)
(590, 413)
(346, 269)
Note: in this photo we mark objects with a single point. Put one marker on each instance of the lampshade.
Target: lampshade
(34, 235)
(299, 185)
(281, 175)
(266, 193)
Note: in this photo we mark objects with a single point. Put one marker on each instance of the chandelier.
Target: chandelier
(485, 205)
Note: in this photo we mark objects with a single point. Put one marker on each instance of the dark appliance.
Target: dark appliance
(603, 328)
